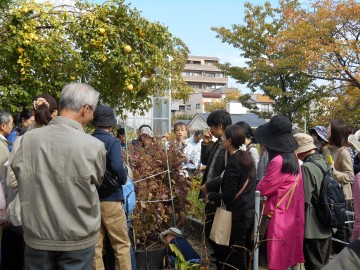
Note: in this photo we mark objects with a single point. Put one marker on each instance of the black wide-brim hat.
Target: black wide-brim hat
(276, 135)
(104, 117)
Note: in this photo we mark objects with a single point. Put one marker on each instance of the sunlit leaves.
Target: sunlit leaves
(324, 40)
(267, 70)
(45, 46)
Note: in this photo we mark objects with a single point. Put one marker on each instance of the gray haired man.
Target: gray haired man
(6, 125)
(58, 168)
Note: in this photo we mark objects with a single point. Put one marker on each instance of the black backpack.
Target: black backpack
(329, 203)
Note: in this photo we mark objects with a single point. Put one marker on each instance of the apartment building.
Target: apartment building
(202, 74)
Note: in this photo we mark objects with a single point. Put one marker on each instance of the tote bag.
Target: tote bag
(221, 227)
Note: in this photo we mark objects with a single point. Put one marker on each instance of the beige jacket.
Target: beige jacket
(57, 168)
(4, 156)
(342, 169)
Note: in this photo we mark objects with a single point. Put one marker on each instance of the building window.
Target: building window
(210, 86)
(188, 107)
(264, 107)
(198, 106)
(209, 62)
(219, 75)
(192, 62)
(194, 85)
(210, 75)
(181, 108)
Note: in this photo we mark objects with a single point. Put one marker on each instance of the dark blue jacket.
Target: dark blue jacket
(114, 162)
(184, 247)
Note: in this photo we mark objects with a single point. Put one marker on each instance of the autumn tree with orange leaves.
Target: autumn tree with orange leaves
(265, 70)
(324, 41)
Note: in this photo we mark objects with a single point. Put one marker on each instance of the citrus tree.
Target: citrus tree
(127, 58)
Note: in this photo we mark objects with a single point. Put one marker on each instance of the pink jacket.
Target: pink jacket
(285, 233)
(356, 196)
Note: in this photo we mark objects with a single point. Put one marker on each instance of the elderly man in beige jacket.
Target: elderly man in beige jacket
(58, 168)
(6, 125)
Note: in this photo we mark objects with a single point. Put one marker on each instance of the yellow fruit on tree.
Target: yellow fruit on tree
(20, 50)
(102, 31)
(129, 87)
(25, 9)
(141, 34)
(73, 78)
(127, 48)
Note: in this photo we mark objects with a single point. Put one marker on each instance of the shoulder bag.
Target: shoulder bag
(265, 219)
(221, 227)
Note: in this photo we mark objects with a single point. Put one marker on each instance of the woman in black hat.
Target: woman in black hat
(283, 187)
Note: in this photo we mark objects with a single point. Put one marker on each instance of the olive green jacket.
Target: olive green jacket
(312, 176)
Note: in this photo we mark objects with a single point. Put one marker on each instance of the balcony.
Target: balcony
(203, 79)
(201, 67)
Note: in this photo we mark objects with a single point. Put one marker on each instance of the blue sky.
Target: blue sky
(190, 20)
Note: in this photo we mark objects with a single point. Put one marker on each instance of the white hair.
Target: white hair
(4, 117)
(76, 95)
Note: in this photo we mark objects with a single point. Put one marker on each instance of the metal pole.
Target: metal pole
(126, 143)
(256, 231)
(170, 185)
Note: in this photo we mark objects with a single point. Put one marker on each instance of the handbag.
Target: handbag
(265, 219)
(221, 228)
(108, 185)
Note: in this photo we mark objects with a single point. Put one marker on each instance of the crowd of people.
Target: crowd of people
(53, 216)
(289, 171)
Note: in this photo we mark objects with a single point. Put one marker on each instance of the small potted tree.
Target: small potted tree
(161, 191)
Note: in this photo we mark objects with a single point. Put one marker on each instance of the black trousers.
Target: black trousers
(210, 210)
(236, 255)
(316, 253)
(12, 248)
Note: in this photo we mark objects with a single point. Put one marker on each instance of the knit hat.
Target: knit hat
(104, 117)
(305, 141)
